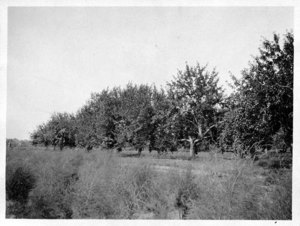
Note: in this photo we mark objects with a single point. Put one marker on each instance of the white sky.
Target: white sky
(58, 56)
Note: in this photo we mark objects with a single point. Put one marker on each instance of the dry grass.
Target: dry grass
(105, 184)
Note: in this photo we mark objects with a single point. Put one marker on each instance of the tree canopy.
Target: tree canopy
(197, 96)
(262, 105)
(190, 110)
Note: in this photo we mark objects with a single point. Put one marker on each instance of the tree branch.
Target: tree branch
(209, 129)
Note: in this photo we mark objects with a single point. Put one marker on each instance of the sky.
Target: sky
(58, 56)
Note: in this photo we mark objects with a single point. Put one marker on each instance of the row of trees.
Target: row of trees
(191, 110)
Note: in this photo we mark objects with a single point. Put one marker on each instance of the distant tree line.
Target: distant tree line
(191, 110)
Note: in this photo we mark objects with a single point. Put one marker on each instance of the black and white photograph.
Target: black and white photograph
(149, 112)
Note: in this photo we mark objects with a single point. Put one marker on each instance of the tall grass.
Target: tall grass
(104, 185)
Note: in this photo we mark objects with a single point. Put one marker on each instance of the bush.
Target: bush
(19, 184)
(138, 192)
(53, 194)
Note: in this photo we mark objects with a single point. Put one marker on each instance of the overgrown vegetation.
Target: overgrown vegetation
(73, 184)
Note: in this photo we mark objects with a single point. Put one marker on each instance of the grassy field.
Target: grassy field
(42, 183)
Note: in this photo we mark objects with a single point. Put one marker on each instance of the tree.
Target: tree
(264, 95)
(96, 121)
(134, 116)
(39, 136)
(197, 95)
(59, 130)
(145, 128)
(165, 126)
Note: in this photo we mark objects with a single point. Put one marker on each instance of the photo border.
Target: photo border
(130, 3)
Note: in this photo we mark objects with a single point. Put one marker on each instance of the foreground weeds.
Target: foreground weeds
(104, 185)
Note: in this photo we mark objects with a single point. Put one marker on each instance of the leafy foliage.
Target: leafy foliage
(263, 102)
(59, 130)
(191, 110)
(19, 184)
(197, 96)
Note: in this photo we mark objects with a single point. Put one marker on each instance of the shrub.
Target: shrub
(53, 194)
(137, 190)
(19, 184)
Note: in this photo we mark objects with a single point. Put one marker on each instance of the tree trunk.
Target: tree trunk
(192, 147)
(200, 134)
(140, 151)
(61, 144)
